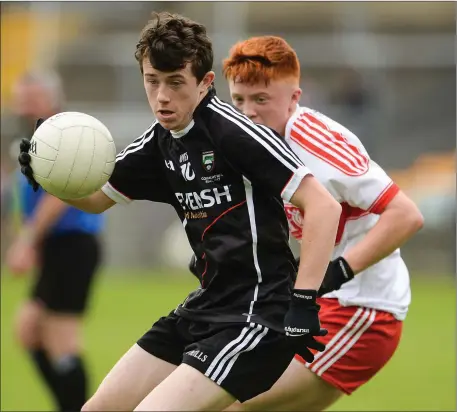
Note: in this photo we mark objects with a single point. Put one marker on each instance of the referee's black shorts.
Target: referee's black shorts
(68, 263)
(245, 359)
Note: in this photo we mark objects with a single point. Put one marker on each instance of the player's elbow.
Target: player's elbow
(406, 214)
(414, 220)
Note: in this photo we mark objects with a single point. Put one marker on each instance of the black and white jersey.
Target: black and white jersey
(226, 178)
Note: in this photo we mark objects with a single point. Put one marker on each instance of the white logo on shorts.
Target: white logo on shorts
(197, 354)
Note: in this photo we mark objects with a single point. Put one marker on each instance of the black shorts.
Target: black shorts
(68, 263)
(245, 359)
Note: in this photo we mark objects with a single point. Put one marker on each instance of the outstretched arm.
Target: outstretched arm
(95, 203)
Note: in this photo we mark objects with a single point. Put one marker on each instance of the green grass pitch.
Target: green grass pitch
(420, 377)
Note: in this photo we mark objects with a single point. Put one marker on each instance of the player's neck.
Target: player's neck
(185, 128)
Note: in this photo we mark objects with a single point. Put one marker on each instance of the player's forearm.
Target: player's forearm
(320, 224)
(95, 204)
(48, 211)
(397, 224)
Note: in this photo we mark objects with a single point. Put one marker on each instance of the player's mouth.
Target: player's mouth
(165, 114)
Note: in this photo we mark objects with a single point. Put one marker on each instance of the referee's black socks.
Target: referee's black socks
(44, 365)
(71, 382)
(65, 377)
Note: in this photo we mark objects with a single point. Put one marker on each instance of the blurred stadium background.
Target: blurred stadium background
(384, 69)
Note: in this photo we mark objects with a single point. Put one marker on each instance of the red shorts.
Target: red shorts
(360, 341)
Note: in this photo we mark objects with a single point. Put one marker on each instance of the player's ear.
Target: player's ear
(296, 96)
(207, 80)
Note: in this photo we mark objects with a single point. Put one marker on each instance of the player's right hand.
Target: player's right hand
(21, 257)
(24, 160)
(302, 324)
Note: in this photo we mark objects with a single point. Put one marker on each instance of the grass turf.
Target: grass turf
(420, 377)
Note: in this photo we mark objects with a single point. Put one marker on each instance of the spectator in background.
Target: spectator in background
(60, 245)
(351, 91)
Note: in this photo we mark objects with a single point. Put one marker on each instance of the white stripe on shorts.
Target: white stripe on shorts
(343, 340)
(350, 344)
(248, 339)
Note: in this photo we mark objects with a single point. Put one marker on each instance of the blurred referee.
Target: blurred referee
(60, 244)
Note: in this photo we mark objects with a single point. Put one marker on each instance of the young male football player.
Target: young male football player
(365, 292)
(226, 178)
(61, 245)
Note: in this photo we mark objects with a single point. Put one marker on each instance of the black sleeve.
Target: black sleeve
(263, 157)
(138, 173)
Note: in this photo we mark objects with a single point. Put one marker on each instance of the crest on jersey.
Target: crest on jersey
(208, 160)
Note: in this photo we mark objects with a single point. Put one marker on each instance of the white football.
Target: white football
(73, 155)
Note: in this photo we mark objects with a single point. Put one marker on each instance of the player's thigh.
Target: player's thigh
(129, 382)
(298, 389)
(157, 353)
(196, 393)
(28, 324)
(69, 265)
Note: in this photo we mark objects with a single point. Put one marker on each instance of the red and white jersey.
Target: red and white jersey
(339, 161)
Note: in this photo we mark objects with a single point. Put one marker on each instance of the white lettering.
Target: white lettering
(169, 164)
(198, 355)
(204, 199)
(187, 172)
(205, 196)
(190, 201)
(225, 193)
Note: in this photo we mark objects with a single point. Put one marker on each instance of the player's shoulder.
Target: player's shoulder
(325, 141)
(153, 130)
(141, 142)
(311, 122)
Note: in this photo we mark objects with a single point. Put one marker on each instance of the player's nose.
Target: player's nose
(249, 113)
(162, 96)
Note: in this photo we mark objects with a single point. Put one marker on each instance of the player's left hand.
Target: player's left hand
(302, 324)
(21, 257)
(338, 273)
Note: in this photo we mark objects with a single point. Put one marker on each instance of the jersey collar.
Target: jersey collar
(180, 133)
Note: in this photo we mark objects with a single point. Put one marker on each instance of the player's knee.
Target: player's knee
(61, 335)
(28, 325)
(319, 396)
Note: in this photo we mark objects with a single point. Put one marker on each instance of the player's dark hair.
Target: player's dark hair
(170, 41)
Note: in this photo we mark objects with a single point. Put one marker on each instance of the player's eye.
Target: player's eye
(261, 100)
(237, 100)
(176, 83)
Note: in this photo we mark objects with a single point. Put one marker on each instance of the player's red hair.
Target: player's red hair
(261, 59)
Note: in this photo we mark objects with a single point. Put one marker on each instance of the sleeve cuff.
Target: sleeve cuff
(115, 195)
(384, 198)
(292, 185)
